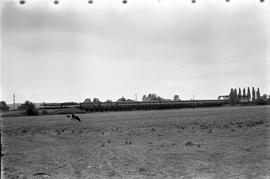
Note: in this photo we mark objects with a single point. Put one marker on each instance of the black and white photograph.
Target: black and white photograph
(135, 89)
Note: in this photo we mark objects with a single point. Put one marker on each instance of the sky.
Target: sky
(74, 50)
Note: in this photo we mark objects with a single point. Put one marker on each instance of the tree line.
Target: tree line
(145, 98)
(243, 95)
(28, 107)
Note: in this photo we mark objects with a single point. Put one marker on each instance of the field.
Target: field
(220, 142)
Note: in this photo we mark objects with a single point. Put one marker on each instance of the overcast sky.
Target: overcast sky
(74, 50)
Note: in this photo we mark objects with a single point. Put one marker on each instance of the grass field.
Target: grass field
(229, 142)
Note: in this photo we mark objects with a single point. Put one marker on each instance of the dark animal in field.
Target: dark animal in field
(73, 117)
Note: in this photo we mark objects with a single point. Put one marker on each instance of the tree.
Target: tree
(130, 100)
(151, 97)
(87, 100)
(159, 98)
(235, 95)
(232, 96)
(144, 98)
(244, 92)
(3, 106)
(176, 98)
(262, 100)
(239, 94)
(258, 94)
(30, 108)
(123, 99)
(264, 96)
(96, 100)
(253, 94)
(248, 94)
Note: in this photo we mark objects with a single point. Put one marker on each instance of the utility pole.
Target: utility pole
(135, 96)
(14, 100)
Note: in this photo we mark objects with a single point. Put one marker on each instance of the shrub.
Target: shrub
(3, 106)
(261, 101)
(96, 100)
(30, 108)
(44, 112)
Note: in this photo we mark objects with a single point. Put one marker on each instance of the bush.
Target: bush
(44, 112)
(3, 106)
(260, 101)
(263, 100)
(30, 108)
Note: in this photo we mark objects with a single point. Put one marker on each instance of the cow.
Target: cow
(73, 117)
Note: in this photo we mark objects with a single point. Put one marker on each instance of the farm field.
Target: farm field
(221, 142)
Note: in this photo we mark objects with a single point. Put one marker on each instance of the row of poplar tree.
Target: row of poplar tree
(235, 96)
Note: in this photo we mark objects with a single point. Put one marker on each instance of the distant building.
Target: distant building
(224, 97)
(243, 98)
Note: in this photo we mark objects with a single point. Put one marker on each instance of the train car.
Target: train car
(86, 106)
(149, 105)
(127, 105)
(70, 105)
(50, 106)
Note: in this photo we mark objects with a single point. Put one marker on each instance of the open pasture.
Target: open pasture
(222, 142)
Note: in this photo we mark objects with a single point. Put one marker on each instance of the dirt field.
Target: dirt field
(229, 142)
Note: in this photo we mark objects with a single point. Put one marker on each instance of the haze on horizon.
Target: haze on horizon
(74, 51)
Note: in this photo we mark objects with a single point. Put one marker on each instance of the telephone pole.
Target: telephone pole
(135, 96)
(14, 100)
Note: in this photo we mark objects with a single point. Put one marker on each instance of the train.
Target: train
(134, 105)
